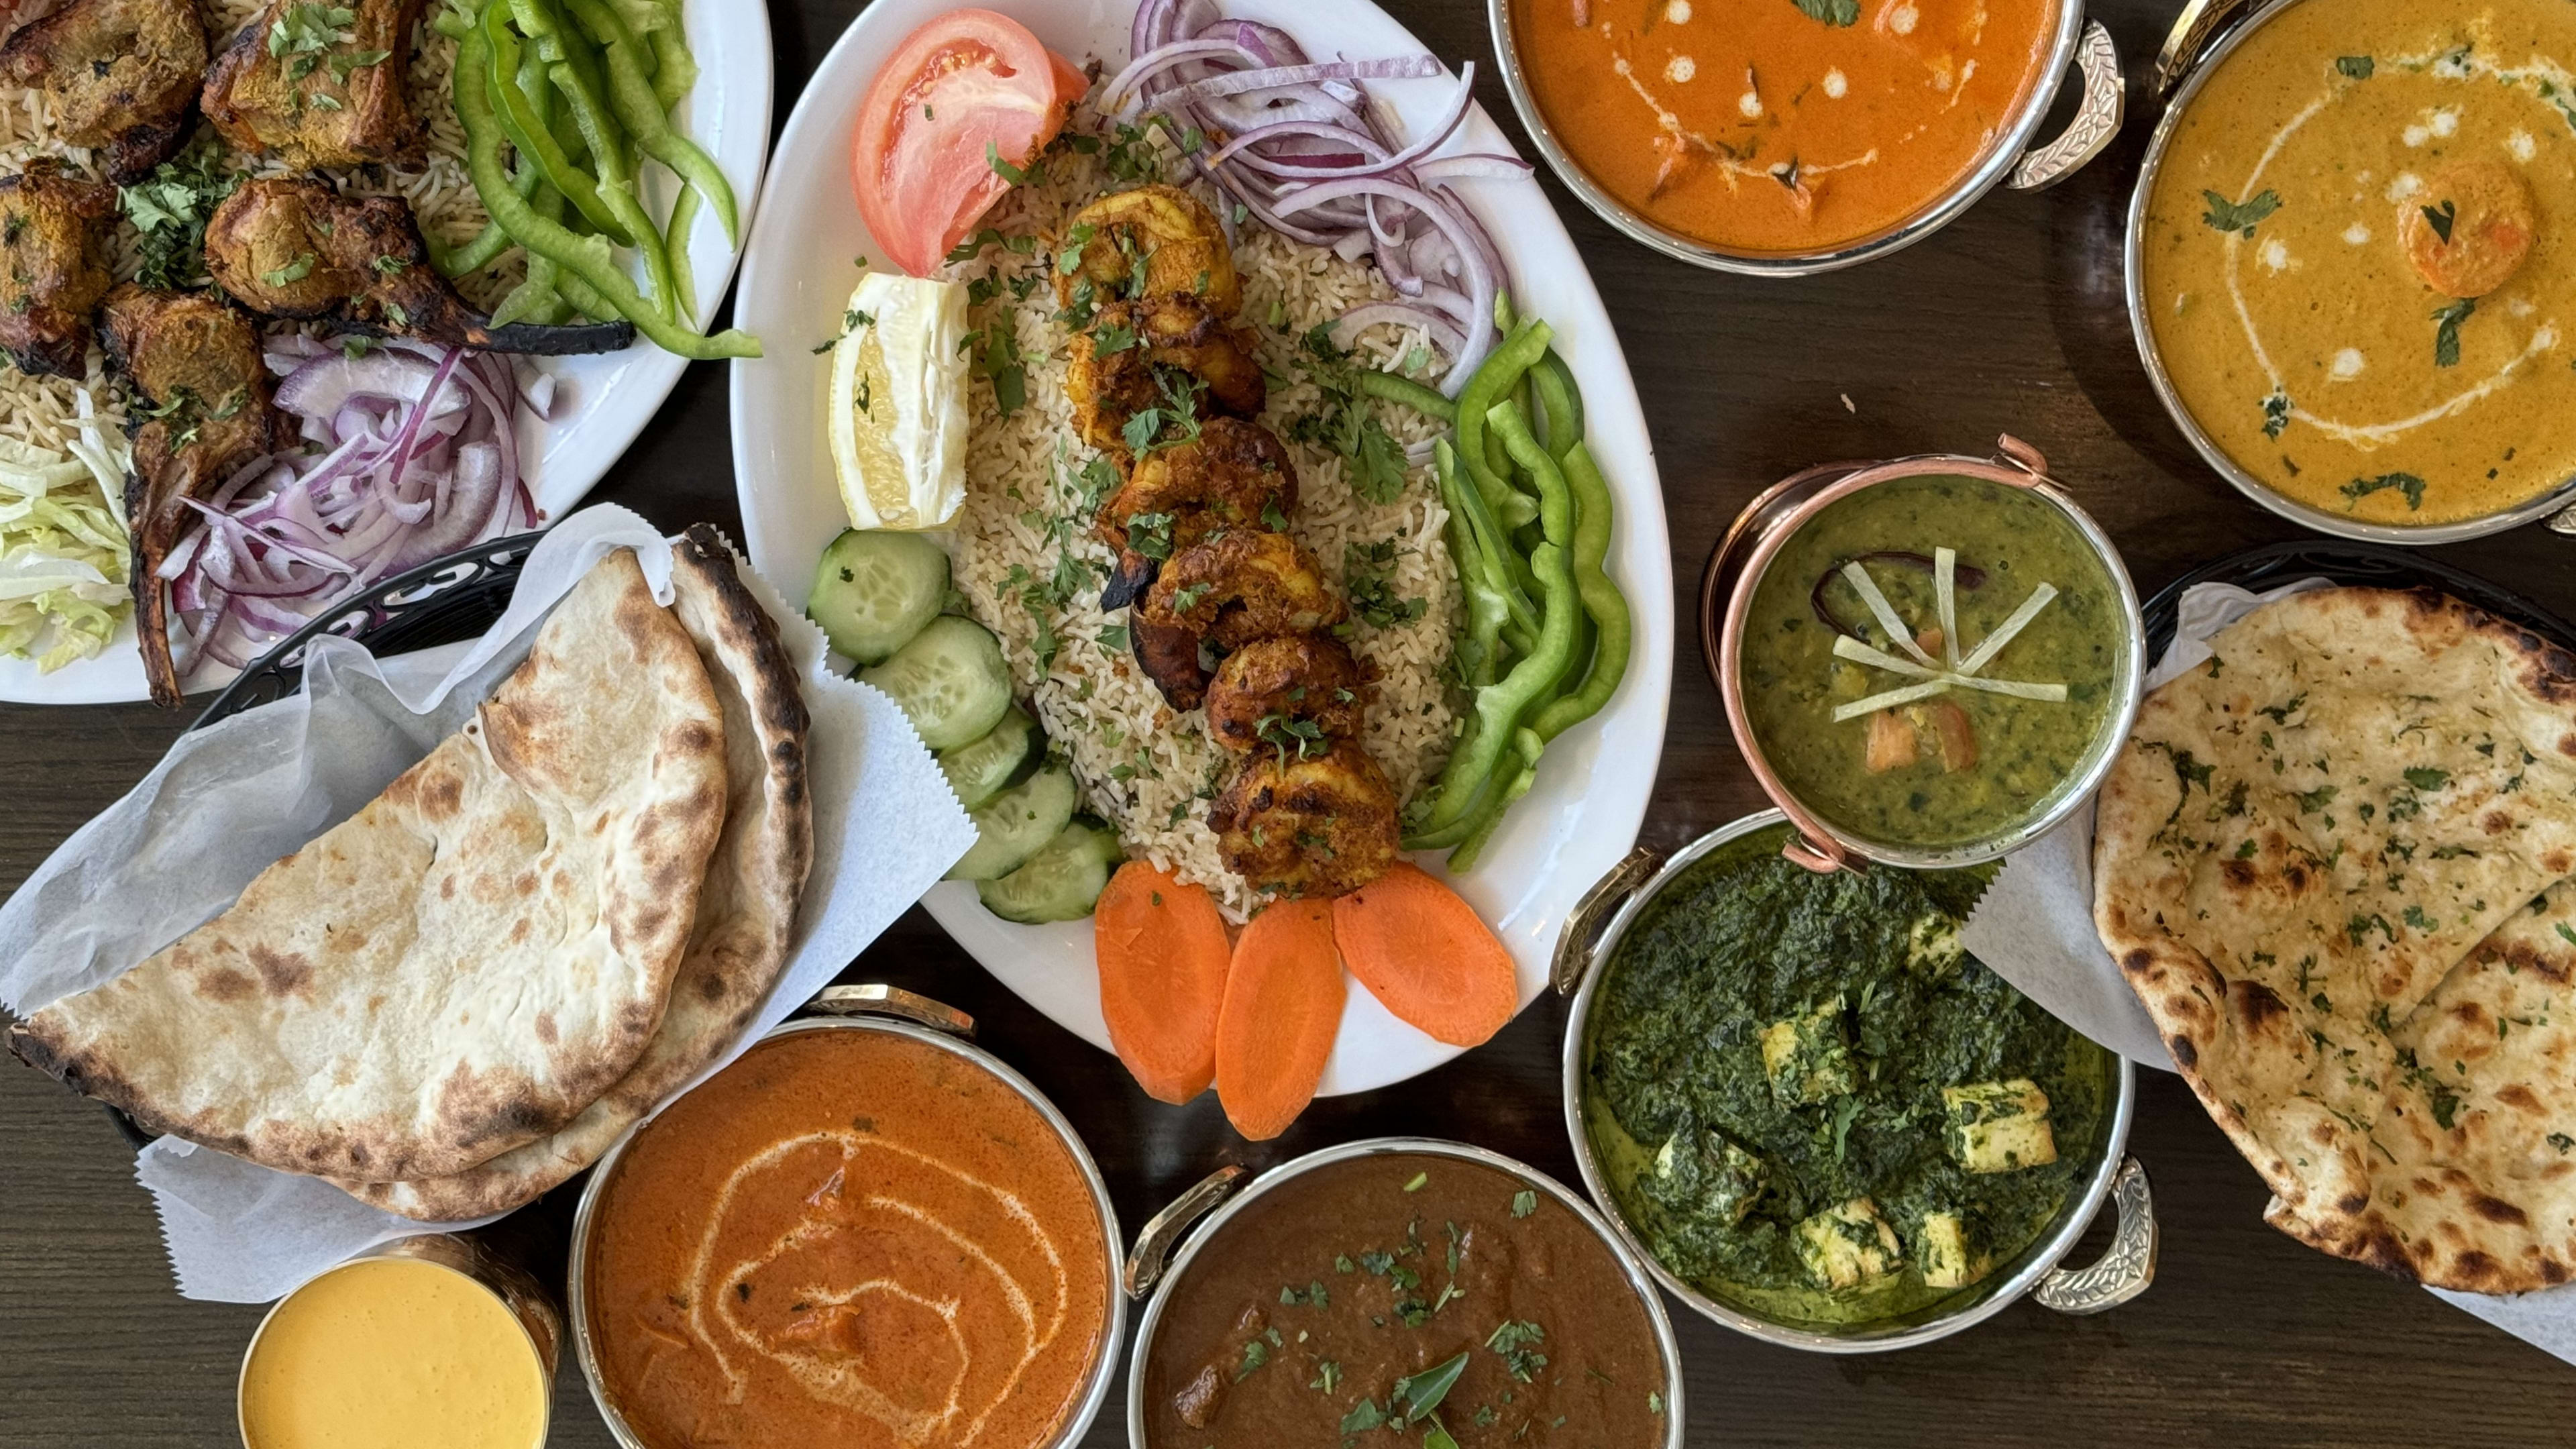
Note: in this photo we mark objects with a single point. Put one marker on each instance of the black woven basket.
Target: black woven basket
(444, 601)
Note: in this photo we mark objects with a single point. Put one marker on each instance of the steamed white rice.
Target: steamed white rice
(1146, 768)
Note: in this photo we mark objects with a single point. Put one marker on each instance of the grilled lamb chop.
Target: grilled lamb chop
(54, 232)
(118, 74)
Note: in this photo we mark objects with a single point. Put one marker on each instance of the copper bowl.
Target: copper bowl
(1735, 569)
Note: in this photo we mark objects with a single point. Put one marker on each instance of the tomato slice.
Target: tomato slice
(967, 87)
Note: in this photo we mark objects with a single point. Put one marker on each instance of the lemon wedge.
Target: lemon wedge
(898, 407)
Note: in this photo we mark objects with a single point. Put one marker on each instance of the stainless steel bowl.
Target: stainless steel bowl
(2122, 1274)
(2179, 66)
(2008, 160)
(918, 1018)
(1735, 570)
(1156, 1269)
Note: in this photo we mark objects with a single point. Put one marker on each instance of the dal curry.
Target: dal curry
(2351, 259)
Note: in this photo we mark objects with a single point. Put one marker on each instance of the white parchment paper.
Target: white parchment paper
(230, 799)
(2035, 928)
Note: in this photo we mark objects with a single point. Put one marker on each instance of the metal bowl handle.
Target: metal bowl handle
(1574, 945)
(2097, 121)
(874, 999)
(2199, 23)
(1164, 1231)
(2126, 1269)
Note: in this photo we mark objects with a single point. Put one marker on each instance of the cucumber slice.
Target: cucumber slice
(1008, 754)
(874, 591)
(1062, 882)
(950, 680)
(1013, 825)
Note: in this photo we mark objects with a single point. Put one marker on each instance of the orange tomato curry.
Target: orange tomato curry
(848, 1238)
(1780, 125)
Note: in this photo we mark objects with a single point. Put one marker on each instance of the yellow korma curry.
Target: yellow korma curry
(2357, 262)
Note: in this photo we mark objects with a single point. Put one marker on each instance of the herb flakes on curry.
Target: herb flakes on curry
(1811, 1102)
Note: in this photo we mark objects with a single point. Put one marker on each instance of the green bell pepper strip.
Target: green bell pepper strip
(630, 90)
(684, 277)
(1562, 401)
(678, 70)
(1498, 710)
(1481, 649)
(1493, 555)
(617, 185)
(536, 298)
(1405, 392)
(584, 260)
(555, 38)
(1494, 378)
(528, 129)
(1602, 601)
(1490, 813)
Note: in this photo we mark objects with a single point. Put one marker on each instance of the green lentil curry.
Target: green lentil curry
(2019, 752)
(1813, 1104)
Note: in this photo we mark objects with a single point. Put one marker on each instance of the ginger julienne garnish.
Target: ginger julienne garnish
(1937, 676)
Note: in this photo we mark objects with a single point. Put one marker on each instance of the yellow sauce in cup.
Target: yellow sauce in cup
(393, 1353)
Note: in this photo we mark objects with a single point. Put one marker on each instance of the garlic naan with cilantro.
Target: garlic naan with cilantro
(2328, 861)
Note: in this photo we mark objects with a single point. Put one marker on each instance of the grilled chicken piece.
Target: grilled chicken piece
(1307, 686)
(1183, 355)
(292, 86)
(1321, 823)
(120, 75)
(1174, 234)
(293, 247)
(203, 415)
(54, 232)
(1233, 475)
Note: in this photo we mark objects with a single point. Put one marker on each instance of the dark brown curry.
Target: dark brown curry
(1449, 1301)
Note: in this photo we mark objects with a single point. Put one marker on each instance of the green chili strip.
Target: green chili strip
(1498, 708)
(1602, 601)
(630, 90)
(527, 128)
(587, 261)
(1405, 392)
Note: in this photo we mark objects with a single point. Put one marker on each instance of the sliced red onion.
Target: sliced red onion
(1450, 168)
(1444, 334)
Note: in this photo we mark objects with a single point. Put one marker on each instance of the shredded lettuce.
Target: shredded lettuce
(63, 553)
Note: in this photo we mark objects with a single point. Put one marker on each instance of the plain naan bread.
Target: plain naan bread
(2298, 857)
(746, 914)
(466, 963)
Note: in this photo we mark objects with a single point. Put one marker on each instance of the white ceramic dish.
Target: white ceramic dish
(607, 398)
(1583, 814)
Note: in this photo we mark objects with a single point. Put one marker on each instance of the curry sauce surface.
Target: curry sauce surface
(1294, 1325)
(2277, 282)
(1780, 125)
(848, 1238)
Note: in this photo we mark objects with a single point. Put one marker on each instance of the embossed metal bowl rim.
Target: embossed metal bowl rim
(2003, 153)
(1746, 552)
(441, 1250)
(1104, 1366)
(2034, 1262)
(1636, 1268)
(2134, 280)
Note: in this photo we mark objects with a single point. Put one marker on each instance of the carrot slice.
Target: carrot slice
(1283, 1007)
(1424, 954)
(1162, 953)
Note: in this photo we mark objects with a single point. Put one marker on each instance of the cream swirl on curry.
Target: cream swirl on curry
(854, 1238)
(2352, 257)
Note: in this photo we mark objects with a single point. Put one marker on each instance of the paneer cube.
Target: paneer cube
(1806, 1057)
(1932, 947)
(1999, 1126)
(1847, 1246)
(1949, 1261)
(1703, 1172)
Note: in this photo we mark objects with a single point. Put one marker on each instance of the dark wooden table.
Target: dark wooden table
(2010, 320)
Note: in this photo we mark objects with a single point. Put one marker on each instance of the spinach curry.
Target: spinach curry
(1844, 707)
(1811, 1103)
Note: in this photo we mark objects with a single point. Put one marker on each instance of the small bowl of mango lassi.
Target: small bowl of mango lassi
(427, 1344)
(1928, 662)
